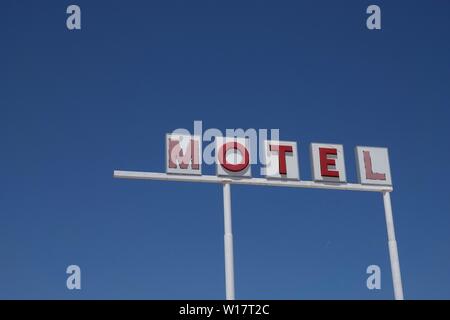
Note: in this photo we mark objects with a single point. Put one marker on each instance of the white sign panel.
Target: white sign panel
(373, 166)
(327, 161)
(183, 154)
(233, 157)
(281, 160)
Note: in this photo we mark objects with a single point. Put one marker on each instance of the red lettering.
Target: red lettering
(234, 167)
(325, 162)
(369, 171)
(281, 156)
(176, 154)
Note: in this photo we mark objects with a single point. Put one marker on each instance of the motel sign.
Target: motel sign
(233, 159)
(281, 168)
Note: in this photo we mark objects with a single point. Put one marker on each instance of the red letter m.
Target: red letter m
(176, 155)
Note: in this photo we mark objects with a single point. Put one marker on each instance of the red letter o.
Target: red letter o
(234, 167)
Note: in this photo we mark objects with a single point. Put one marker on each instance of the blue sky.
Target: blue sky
(75, 105)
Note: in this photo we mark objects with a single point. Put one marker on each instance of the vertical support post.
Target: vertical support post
(393, 251)
(228, 242)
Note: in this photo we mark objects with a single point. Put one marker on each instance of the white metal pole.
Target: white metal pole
(228, 242)
(393, 252)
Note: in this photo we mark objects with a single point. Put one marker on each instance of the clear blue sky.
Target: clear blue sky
(75, 105)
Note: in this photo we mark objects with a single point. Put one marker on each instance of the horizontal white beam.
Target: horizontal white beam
(247, 181)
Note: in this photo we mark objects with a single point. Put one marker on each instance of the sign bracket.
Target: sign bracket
(228, 234)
